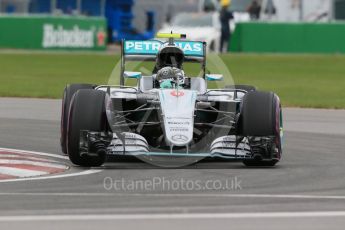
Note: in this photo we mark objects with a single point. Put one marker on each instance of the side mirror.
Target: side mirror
(133, 75)
(214, 77)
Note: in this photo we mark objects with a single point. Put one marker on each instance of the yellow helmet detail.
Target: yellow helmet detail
(225, 3)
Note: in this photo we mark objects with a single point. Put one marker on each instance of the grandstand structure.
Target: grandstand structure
(125, 18)
(139, 19)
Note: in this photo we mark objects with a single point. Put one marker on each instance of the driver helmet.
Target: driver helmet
(168, 77)
(170, 55)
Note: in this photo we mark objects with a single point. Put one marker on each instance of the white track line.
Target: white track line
(204, 195)
(172, 216)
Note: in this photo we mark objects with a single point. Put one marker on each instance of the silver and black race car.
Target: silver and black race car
(170, 116)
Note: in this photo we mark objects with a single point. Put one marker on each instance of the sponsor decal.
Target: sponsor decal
(101, 38)
(176, 93)
(190, 48)
(228, 145)
(130, 135)
(179, 118)
(178, 129)
(60, 37)
(178, 123)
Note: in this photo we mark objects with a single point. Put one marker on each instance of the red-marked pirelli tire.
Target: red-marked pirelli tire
(68, 93)
(87, 112)
(261, 116)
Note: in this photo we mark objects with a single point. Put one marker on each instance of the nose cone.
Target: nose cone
(178, 115)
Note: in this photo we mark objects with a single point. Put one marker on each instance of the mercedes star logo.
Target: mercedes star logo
(179, 138)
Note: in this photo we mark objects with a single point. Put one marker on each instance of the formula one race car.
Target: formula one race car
(169, 115)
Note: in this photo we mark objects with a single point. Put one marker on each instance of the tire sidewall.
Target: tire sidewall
(87, 112)
(67, 97)
(272, 118)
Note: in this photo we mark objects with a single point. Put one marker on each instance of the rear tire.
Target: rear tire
(261, 116)
(69, 91)
(87, 112)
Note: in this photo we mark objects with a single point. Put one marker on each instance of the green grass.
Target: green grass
(300, 80)
(46, 75)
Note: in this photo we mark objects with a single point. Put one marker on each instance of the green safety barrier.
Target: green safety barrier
(52, 32)
(289, 38)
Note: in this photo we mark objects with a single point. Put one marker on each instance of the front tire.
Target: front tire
(261, 117)
(87, 112)
(68, 93)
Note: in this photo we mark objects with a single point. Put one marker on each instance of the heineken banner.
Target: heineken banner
(45, 32)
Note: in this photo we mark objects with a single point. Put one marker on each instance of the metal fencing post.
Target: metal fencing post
(102, 8)
(52, 6)
(301, 10)
(331, 16)
(79, 2)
